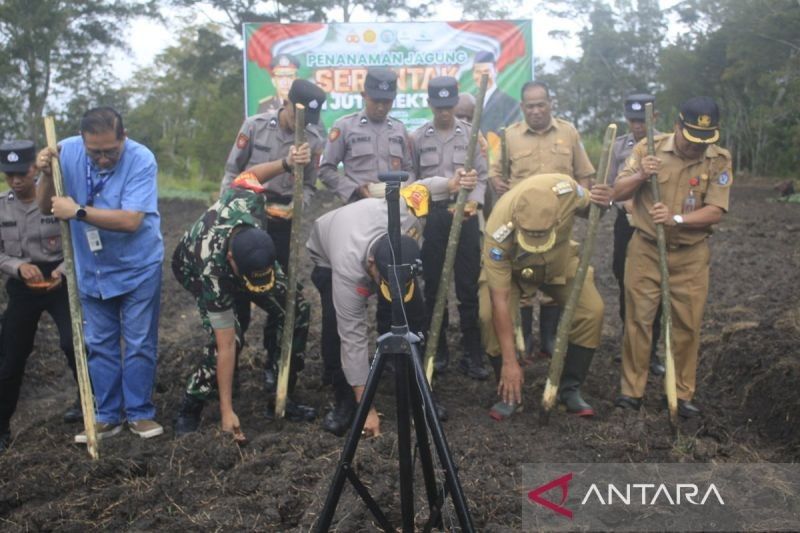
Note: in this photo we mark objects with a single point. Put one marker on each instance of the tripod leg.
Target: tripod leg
(435, 500)
(402, 373)
(437, 434)
(343, 469)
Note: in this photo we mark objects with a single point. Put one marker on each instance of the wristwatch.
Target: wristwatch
(678, 219)
(80, 213)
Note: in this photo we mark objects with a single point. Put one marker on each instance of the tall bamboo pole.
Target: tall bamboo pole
(568, 313)
(295, 247)
(75, 311)
(452, 239)
(666, 306)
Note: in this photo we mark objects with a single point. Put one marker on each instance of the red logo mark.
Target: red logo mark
(536, 495)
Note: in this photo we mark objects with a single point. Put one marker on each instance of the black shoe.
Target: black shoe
(293, 412)
(472, 366)
(189, 416)
(657, 368)
(5, 440)
(338, 420)
(74, 414)
(271, 379)
(687, 409)
(628, 402)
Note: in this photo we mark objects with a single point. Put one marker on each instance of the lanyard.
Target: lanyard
(91, 188)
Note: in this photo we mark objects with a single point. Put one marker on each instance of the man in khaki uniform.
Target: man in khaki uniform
(541, 144)
(527, 247)
(694, 178)
(368, 142)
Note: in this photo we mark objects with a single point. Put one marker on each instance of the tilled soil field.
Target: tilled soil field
(747, 385)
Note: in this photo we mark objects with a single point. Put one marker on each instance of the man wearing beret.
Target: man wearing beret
(369, 142)
(283, 72)
(526, 248)
(623, 231)
(440, 149)
(343, 248)
(32, 258)
(224, 257)
(694, 178)
(268, 139)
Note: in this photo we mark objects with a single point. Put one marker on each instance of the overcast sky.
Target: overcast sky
(148, 38)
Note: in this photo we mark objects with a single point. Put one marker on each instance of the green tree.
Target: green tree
(192, 104)
(55, 48)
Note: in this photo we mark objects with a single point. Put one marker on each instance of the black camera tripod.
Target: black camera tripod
(412, 394)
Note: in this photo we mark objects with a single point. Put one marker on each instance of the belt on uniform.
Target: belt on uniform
(470, 208)
(670, 246)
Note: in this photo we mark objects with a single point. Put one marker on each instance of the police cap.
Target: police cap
(284, 61)
(484, 57)
(443, 91)
(634, 105)
(699, 118)
(310, 96)
(381, 84)
(17, 156)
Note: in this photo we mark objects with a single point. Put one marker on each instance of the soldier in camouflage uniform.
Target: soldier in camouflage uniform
(225, 255)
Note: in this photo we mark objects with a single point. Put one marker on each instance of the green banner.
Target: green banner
(336, 57)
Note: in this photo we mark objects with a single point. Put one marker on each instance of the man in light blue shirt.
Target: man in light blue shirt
(111, 203)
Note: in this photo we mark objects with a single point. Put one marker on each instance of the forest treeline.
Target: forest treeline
(187, 105)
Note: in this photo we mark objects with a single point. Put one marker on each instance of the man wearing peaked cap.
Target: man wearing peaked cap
(440, 149)
(227, 261)
(634, 111)
(369, 142)
(526, 248)
(283, 72)
(694, 177)
(266, 143)
(32, 259)
(343, 249)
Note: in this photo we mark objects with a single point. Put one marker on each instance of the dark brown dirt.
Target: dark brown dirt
(748, 379)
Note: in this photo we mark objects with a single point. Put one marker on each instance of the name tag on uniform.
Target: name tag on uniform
(93, 238)
(562, 187)
(503, 232)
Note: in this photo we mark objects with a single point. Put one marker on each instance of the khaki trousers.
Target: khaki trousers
(688, 281)
(587, 324)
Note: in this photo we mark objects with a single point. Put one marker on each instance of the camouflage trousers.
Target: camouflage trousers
(202, 383)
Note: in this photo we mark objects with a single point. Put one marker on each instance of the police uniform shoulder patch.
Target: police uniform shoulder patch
(429, 131)
(496, 254)
(562, 187)
(241, 141)
(631, 142)
(580, 191)
(724, 179)
(502, 233)
(334, 134)
(389, 123)
(363, 121)
(459, 131)
(273, 123)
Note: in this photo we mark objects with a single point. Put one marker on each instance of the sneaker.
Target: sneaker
(146, 428)
(103, 431)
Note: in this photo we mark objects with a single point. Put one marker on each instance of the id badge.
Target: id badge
(93, 237)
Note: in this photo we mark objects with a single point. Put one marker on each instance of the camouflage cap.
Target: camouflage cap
(535, 217)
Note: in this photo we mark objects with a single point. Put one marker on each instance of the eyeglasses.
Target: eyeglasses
(111, 153)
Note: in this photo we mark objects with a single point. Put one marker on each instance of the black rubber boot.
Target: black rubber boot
(548, 326)
(338, 420)
(271, 376)
(293, 412)
(576, 368)
(526, 324)
(74, 413)
(189, 416)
